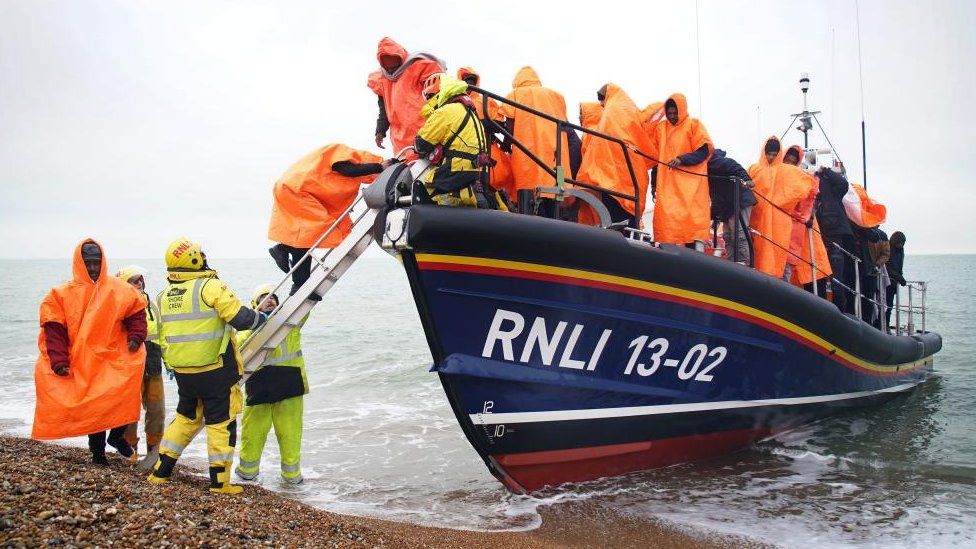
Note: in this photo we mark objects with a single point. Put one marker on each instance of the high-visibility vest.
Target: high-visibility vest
(192, 333)
(289, 353)
(152, 322)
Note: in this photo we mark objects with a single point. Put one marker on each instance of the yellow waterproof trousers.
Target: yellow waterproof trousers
(286, 417)
(219, 416)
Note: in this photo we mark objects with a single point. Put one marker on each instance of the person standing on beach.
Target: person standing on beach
(153, 397)
(89, 369)
(198, 313)
(275, 397)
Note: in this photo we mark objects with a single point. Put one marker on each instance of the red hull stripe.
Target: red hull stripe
(642, 292)
(534, 470)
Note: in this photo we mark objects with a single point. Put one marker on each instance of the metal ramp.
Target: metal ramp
(327, 269)
(325, 272)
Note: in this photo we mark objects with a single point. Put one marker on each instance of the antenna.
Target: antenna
(701, 113)
(860, 74)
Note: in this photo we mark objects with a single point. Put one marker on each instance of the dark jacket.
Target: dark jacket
(896, 265)
(720, 188)
(830, 209)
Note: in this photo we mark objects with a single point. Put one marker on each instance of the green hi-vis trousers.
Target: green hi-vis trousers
(286, 417)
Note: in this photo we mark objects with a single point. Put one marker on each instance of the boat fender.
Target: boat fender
(382, 192)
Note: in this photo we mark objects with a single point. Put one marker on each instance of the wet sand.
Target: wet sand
(52, 495)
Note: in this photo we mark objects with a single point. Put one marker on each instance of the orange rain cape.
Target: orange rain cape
(651, 116)
(682, 212)
(861, 209)
(590, 113)
(402, 90)
(800, 240)
(779, 188)
(501, 172)
(103, 389)
(604, 163)
(537, 134)
(310, 196)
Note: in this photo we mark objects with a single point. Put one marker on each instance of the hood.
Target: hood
(260, 291)
(78, 271)
(129, 272)
(681, 103)
(468, 71)
(450, 87)
(762, 152)
(526, 76)
(799, 153)
(590, 113)
(653, 113)
(612, 90)
(389, 46)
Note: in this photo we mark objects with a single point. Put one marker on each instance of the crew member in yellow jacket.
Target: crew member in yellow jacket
(275, 397)
(198, 314)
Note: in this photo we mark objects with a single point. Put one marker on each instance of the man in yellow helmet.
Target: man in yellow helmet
(153, 398)
(453, 138)
(274, 397)
(198, 314)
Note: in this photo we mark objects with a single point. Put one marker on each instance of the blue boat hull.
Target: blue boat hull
(561, 372)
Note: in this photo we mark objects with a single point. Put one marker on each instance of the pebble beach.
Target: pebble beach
(51, 495)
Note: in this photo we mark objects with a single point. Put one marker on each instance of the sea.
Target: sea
(380, 439)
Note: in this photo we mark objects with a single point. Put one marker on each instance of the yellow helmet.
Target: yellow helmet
(183, 253)
(129, 272)
(259, 292)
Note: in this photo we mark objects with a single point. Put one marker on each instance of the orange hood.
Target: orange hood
(468, 71)
(79, 274)
(682, 104)
(590, 113)
(762, 152)
(526, 76)
(389, 46)
(799, 153)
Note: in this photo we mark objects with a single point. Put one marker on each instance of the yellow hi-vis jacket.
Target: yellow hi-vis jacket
(195, 309)
(282, 374)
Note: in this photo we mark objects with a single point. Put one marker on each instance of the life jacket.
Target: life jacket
(282, 374)
(192, 333)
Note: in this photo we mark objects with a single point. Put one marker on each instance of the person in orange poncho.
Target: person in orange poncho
(536, 134)
(88, 374)
(604, 163)
(309, 198)
(799, 257)
(399, 83)
(681, 212)
(501, 172)
(778, 190)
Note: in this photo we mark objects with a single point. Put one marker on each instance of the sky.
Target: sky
(139, 122)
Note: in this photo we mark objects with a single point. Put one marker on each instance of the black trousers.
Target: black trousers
(96, 441)
(843, 268)
(303, 271)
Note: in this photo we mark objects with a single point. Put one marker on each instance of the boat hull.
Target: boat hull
(562, 369)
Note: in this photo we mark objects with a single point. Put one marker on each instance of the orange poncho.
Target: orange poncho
(590, 113)
(402, 91)
(800, 240)
(103, 389)
(537, 134)
(682, 210)
(604, 163)
(862, 209)
(310, 196)
(777, 185)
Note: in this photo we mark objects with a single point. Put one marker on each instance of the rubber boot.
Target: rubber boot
(163, 470)
(117, 441)
(220, 482)
(99, 459)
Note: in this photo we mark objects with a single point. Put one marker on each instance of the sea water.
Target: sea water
(380, 439)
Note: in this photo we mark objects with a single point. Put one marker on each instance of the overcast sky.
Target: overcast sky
(138, 122)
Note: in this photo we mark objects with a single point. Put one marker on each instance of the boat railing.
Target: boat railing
(915, 308)
(558, 170)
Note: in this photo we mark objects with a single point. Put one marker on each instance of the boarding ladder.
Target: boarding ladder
(326, 269)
